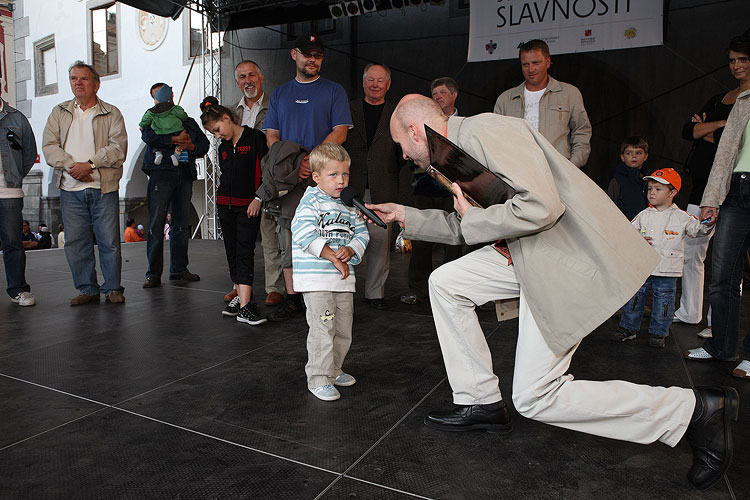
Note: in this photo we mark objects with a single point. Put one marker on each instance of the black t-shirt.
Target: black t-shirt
(701, 157)
(372, 117)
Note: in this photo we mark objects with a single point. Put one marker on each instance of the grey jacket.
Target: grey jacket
(562, 118)
(16, 162)
(110, 140)
(577, 259)
(730, 144)
(280, 190)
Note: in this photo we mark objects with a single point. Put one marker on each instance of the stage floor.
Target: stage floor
(163, 397)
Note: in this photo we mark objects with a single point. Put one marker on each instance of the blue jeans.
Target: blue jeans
(662, 307)
(168, 188)
(88, 214)
(731, 243)
(14, 256)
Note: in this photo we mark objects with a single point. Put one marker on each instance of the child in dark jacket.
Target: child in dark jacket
(238, 206)
(165, 118)
(627, 188)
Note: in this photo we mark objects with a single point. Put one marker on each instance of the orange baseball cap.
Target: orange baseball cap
(667, 176)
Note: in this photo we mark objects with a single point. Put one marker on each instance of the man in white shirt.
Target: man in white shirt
(554, 108)
(85, 141)
(251, 111)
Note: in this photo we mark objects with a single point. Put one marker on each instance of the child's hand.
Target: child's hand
(344, 254)
(342, 267)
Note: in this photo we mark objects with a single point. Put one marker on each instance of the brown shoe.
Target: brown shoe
(83, 299)
(274, 298)
(228, 297)
(115, 298)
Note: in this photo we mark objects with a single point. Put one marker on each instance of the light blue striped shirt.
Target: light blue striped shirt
(322, 220)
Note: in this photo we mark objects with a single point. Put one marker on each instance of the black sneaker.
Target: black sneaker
(287, 310)
(622, 334)
(152, 282)
(184, 276)
(233, 308)
(250, 315)
(657, 341)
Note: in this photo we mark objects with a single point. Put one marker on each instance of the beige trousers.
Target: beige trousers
(271, 254)
(542, 388)
(329, 316)
(377, 257)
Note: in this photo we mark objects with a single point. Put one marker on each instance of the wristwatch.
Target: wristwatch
(92, 165)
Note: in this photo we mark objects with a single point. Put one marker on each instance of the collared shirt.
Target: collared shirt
(248, 114)
(81, 147)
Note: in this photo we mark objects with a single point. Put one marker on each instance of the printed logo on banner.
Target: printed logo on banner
(631, 33)
(490, 47)
(587, 33)
(588, 38)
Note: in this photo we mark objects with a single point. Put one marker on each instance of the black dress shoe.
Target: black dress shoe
(378, 304)
(493, 417)
(710, 435)
(184, 276)
(152, 282)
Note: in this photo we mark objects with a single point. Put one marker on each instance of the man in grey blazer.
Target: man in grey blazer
(563, 248)
(376, 161)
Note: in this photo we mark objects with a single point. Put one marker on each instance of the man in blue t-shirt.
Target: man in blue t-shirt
(308, 110)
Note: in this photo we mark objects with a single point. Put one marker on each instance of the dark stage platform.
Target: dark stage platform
(162, 397)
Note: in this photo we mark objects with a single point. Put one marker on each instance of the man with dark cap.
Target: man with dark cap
(308, 110)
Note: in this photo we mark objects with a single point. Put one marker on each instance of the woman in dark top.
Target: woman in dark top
(240, 152)
(705, 129)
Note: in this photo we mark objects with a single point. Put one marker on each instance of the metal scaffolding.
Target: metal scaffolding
(211, 55)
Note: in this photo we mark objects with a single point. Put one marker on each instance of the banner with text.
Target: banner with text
(497, 27)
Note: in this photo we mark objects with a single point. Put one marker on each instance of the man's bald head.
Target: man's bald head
(407, 126)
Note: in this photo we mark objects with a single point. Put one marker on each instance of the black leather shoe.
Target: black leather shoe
(152, 282)
(378, 304)
(184, 276)
(710, 435)
(494, 417)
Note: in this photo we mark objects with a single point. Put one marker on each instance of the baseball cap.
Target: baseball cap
(666, 176)
(306, 43)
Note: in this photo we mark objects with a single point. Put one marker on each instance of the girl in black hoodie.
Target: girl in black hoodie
(240, 152)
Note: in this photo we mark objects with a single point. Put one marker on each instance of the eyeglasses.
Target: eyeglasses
(741, 59)
(311, 55)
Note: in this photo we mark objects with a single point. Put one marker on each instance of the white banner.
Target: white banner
(497, 27)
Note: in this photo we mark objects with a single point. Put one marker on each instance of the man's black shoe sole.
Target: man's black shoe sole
(493, 428)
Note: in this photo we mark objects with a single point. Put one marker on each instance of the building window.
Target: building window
(104, 39)
(45, 66)
(196, 33)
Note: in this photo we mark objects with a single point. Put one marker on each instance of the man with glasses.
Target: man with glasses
(308, 110)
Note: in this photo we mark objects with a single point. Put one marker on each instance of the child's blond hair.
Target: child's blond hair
(328, 151)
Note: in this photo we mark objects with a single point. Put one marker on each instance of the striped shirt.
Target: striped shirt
(322, 220)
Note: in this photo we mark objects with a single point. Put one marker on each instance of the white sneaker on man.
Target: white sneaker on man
(742, 370)
(24, 299)
(706, 333)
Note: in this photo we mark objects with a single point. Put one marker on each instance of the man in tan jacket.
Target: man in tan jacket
(554, 108)
(563, 248)
(85, 142)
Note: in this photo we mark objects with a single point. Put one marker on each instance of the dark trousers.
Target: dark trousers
(14, 256)
(731, 243)
(168, 188)
(240, 233)
(420, 264)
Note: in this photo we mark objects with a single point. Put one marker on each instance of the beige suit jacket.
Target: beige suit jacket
(577, 258)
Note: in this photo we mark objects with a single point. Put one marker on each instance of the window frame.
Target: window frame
(91, 6)
(41, 87)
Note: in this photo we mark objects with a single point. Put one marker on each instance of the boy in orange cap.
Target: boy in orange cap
(664, 225)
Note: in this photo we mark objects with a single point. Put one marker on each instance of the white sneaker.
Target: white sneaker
(345, 380)
(742, 370)
(326, 393)
(699, 354)
(24, 299)
(706, 333)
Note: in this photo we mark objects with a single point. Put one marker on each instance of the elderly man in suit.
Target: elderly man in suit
(564, 248)
(376, 161)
